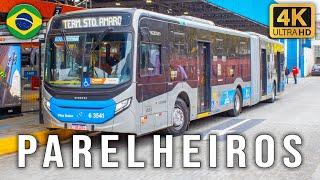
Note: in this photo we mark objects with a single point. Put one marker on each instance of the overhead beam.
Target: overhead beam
(197, 8)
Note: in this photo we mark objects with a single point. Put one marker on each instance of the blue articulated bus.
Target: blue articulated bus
(135, 71)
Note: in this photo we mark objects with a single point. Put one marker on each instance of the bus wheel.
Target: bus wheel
(237, 105)
(274, 93)
(180, 118)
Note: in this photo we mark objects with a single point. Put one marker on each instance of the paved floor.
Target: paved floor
(295, 112)
(25, 124)
(30, 100)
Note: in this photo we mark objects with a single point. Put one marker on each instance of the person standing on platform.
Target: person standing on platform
(287, 72)
(295, 72)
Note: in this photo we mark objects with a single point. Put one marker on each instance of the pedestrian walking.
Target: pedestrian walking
(287, 72)
(295, 72)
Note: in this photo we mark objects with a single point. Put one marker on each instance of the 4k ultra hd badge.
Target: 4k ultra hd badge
(292, 21)
(24, 21)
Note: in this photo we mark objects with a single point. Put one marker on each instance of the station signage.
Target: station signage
(90, 22)
(9, 39)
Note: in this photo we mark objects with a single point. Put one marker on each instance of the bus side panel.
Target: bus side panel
(151, 76)
(272, 75)
(255, 71)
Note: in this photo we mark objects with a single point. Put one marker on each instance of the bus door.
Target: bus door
(255, 71)
(204, 89)
(151, 79)
(264, 71)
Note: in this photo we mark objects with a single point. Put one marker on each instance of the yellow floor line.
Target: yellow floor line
(203, 115)
(10, 144)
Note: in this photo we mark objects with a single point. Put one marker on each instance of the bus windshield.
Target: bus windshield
(88, 60)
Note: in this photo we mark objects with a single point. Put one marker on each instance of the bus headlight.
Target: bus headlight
(123, 105)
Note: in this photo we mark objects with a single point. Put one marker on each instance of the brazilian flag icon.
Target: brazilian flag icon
(24, 21)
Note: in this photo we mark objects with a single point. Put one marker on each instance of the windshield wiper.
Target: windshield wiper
(101, 36)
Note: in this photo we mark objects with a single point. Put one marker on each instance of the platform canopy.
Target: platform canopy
(254, 10)
(46, 8)
(234, 14)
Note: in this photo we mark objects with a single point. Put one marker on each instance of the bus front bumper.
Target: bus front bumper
(124, 122)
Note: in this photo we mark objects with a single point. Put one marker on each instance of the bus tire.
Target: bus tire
(237, 105)
(274, 94)
(180, 118)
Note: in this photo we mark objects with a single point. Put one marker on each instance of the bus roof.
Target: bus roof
(265, 38)
(194, 24)
(137, 13)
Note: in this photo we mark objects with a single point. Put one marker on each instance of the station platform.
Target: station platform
(27, 124)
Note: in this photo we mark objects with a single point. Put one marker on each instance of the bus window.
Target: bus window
(81, 56)
(219, 51)
(150, 60)
(179, 43)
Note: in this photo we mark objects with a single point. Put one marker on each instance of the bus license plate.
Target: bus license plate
(79, 127)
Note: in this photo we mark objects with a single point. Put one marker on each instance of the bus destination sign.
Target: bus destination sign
(90, 22)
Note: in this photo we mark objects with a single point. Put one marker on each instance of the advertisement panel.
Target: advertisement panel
(10, 76)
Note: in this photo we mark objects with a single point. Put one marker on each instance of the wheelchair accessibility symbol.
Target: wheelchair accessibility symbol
(86, 82)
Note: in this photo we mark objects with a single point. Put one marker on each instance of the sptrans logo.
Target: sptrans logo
(24, 21)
